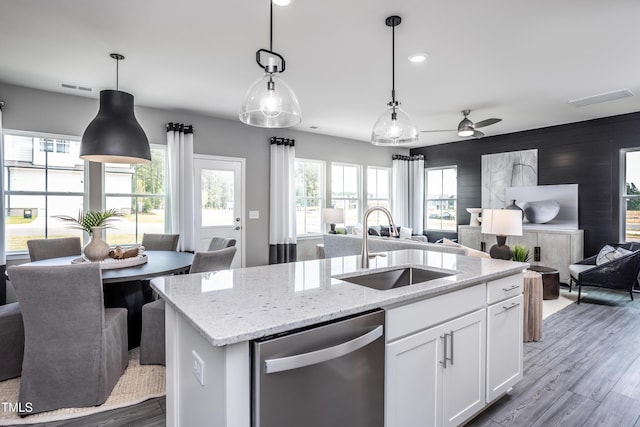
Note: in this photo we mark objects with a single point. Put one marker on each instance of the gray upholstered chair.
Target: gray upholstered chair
(40, 249)
(11, 341)
(152, 341)
(221, 243)
(160, 242)
(75, 350)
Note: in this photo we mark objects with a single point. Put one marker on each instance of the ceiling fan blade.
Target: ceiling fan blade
(477, 134)
(440, 130)
(487, 122)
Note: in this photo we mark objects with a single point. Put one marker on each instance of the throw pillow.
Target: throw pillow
(448, 242)
(405, 233)
(384, 231)
(608, 253)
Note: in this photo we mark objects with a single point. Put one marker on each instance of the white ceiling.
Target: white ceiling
(512, 59)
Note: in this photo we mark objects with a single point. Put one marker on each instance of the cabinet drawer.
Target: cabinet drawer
(413, 317)
(507, 287)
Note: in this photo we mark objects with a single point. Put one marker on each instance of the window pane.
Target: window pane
(309, 191)
(308, 218)
(337, 181)
(350, 210)
(449, 183)
(441, 199)
(217, 197)
(632, 169)
(632, 232)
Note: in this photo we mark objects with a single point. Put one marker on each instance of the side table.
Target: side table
(550, 281)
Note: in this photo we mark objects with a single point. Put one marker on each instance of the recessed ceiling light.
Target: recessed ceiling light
(282, 2)
(418, 57)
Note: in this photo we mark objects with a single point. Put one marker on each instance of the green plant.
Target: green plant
(520, 253)
(87, 220)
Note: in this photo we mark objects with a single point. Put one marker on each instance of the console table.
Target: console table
(555, 248)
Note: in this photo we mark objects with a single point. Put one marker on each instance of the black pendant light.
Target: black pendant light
(270, 102)
(393, 127)
(114, 135)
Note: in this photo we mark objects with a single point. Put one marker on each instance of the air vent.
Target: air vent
(603, 97)
(71, 86)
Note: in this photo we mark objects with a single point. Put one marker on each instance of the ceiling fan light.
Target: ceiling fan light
(270, 103)
(465, 127)
(466, 131)
(388, 131)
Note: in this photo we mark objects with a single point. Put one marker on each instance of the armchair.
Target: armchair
(617, 274)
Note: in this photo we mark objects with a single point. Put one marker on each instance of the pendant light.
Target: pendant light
(270, 102)
(393, 127)
(114, 135)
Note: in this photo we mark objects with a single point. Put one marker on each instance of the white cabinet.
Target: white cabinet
(504, 346)
(436, 377)
(449, 356)
(557, 248)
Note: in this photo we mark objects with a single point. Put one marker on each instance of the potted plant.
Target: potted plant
(520, 253)
(93, 222)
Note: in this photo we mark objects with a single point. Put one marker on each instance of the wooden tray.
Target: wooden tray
(110, 263)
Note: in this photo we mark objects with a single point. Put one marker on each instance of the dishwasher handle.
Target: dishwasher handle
(314, 357)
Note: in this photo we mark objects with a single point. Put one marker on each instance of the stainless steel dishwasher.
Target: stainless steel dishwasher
(329, 375)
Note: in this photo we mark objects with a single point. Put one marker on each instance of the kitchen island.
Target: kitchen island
(212, 317)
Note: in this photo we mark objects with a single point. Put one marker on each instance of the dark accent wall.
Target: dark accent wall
(584, 153)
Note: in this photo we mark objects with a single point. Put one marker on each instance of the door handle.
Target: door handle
(314, 357)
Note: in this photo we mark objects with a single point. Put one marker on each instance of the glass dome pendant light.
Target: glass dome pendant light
(393, 127)
(270, 102)
(114, 135)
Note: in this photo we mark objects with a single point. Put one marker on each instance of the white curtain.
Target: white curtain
(3, 249)
(180, 205)
(408, 192)
(282, 198)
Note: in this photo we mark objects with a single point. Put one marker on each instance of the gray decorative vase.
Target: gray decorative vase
(514, 207)
(541, 211)
(97, 249)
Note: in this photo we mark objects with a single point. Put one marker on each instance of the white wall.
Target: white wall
(41, 111)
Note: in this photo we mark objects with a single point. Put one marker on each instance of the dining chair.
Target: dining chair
(11, 341)
(221, 243)
(40, 249)
(75, 350)
(152, 341)
(160, 242)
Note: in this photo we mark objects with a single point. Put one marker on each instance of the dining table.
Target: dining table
(128, 287)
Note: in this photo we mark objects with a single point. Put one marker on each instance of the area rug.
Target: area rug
(566, 298)
(137, 384)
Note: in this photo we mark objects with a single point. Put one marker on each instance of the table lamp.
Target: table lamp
(502, 223)
(333, 216)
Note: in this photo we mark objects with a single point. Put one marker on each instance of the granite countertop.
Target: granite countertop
(232, 306)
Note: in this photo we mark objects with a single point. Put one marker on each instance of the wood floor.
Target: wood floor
(584, 372)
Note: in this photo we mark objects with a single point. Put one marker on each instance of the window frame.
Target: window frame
(624, 197)
(360, 198)
(322, 191)
(427, 199)
(136, 196)
(19, 254)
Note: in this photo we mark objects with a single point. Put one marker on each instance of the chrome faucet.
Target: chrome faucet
(364, 263)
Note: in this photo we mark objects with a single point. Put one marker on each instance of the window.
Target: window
(441, 198)
(378, 193)
(345, 191)
(309, 196)
(631, 197)
(40, 183)
(138, 191)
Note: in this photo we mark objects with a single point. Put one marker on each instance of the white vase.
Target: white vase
(97, 249)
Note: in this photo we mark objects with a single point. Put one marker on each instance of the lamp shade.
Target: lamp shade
(502, 222)
(114, 135)
(394, 129)
(333, 215)
(270, 103)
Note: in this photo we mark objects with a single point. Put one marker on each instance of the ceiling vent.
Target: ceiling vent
(71, 86)
(603, 97)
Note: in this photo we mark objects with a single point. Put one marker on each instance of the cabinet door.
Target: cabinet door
(463, 378)
(469, 236)
(504, 346)
(555, 252)
(413, 380)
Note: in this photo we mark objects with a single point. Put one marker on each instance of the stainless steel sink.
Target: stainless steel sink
(397, 278)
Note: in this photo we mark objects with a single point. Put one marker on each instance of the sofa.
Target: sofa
(337, 245)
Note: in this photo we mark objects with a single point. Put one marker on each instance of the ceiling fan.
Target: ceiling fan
(467, 128)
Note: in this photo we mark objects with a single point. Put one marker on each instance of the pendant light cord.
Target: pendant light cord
(393, 66)
(117, 72)
(271, 26)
